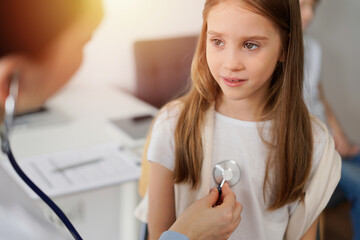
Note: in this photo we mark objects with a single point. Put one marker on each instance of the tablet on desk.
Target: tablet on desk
(39, 117)
(135, 127)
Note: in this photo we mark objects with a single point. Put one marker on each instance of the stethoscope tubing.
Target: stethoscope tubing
(43, 196)
(220, 187)
(5, 127)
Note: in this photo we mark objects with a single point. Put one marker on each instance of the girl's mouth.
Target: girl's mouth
(233, 82)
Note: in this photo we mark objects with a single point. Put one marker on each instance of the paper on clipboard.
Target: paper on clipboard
(74, 171)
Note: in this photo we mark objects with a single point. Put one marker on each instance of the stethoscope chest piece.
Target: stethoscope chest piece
(227, 170)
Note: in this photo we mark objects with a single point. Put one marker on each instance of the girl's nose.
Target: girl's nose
(233, 60)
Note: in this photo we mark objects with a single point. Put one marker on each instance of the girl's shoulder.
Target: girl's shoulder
(169, 113)
(320, 131)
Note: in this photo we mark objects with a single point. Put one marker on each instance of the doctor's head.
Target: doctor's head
(42, 41)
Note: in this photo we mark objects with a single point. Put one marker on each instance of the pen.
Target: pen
(76, 165)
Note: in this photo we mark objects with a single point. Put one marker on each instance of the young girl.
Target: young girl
(245, 105)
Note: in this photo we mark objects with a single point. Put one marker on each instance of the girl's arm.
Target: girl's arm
(161, 200)
(311, 233)
(342, 145)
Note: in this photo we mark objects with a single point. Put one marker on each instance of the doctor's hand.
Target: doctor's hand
(203, 221)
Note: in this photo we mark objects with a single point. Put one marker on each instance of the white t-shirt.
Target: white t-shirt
(239, 141)
(312, 76)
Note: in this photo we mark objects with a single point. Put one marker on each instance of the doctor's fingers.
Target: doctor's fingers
(233, 221)
(237, 214)
(212, 197)
(227, 196)
(229, 213)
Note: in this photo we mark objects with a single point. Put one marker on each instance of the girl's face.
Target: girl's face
(242, 51)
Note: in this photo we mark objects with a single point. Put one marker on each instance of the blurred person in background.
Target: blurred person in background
(318, 105)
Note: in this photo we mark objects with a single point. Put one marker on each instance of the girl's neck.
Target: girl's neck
(239, 109)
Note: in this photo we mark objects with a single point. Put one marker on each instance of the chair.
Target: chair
(321, 228)
(335, 219)
(163, 68)
(144, 234)
(163, 73)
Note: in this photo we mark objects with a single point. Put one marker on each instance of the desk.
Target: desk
(104, 213)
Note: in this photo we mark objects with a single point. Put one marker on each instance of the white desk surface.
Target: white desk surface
(88, 108)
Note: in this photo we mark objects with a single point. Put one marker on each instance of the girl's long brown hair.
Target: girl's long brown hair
(290, 147)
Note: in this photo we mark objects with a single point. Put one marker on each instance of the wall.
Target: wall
(109, 55)
(336, 26)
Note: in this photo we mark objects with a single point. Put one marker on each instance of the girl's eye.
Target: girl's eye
(250, 46)
(217, 42)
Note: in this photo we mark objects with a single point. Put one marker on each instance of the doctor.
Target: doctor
(42, 41)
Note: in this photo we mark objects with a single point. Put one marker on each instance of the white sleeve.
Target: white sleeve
(162, 144)
(322, 182)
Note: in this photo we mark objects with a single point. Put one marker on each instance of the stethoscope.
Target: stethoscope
(10, 104)
(226, 171)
